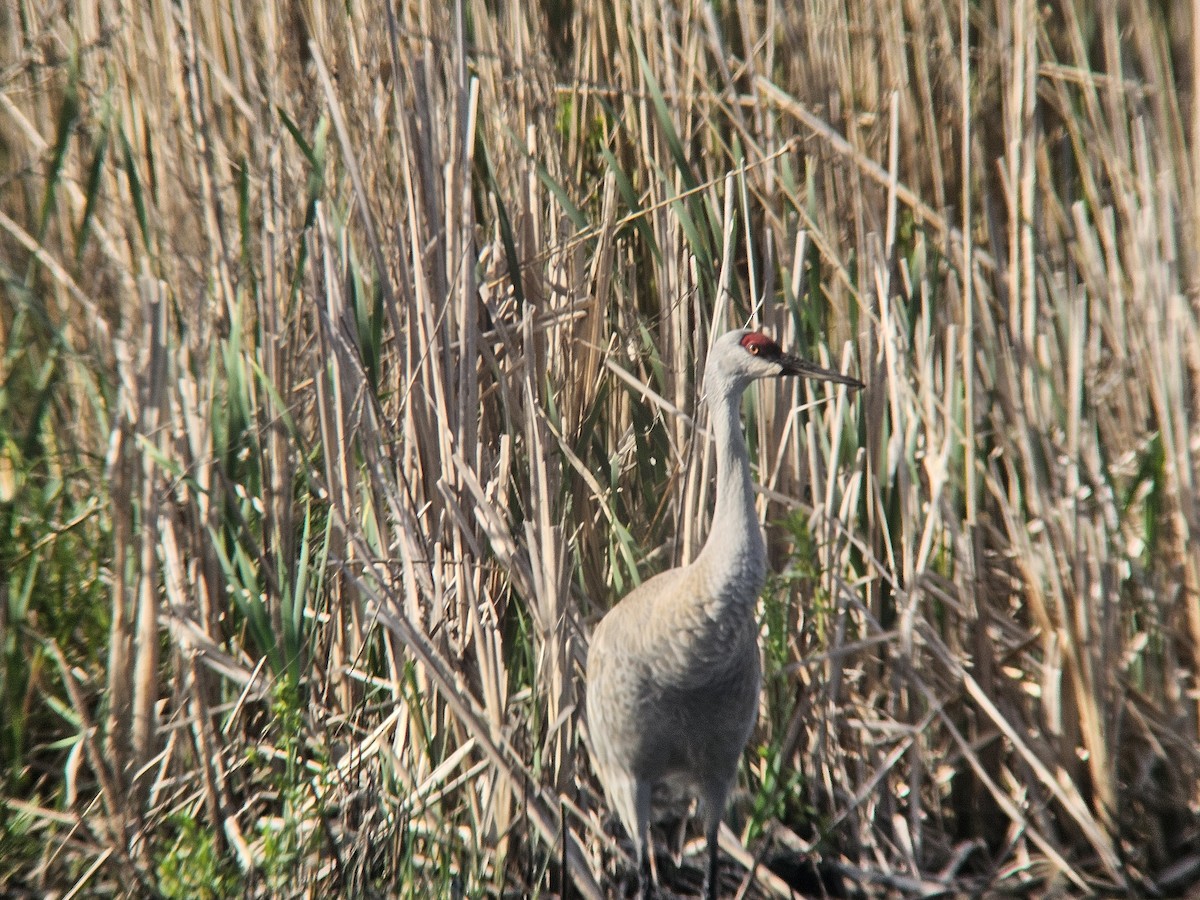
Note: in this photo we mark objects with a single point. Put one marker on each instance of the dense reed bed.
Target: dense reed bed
(350, 373)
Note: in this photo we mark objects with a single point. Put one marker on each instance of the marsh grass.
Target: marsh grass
(351, 365)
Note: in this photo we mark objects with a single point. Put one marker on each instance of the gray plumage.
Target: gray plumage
(673, 670)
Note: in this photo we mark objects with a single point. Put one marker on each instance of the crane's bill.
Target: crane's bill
(794, 365)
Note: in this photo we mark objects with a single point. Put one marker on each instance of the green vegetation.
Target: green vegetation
(349, 373)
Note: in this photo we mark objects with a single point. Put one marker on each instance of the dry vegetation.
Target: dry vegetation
(349, 375)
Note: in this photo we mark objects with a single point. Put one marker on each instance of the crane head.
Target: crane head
(739, 357)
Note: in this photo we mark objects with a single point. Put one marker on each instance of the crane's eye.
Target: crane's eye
(760, 345)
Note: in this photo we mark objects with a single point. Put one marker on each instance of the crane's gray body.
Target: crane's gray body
(673, 691)
(673, 670)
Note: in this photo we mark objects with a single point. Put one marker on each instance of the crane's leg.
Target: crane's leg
(713, 800)
(647, 875)
(714, 885)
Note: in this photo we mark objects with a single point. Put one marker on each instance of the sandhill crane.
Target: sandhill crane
(673, 670)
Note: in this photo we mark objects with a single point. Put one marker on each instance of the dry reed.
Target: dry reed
(351, 366)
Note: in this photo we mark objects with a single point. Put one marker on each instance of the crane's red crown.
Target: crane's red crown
(759, 344)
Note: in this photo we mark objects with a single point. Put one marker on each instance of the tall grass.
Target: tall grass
(351, 366)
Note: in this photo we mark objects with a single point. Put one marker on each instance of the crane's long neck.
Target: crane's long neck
(733, 559)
